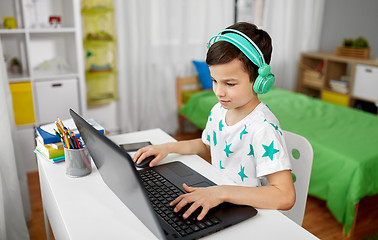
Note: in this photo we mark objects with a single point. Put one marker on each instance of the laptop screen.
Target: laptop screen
(118, 172)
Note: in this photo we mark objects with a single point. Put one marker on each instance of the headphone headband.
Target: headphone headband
(265, 80)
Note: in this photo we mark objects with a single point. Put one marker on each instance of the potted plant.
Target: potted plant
(15, 66)
(358, 48)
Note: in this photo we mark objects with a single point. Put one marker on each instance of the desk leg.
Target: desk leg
(47, 225)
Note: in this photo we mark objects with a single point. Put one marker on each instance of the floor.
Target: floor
(318, 220)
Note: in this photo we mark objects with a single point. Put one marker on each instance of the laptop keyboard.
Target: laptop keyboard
(161, 192)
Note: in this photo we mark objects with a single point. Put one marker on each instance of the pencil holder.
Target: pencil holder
(78, 162)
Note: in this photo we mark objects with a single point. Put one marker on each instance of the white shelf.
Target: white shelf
(51, 30)
(52, 76)
(12, 31)
(18, 77)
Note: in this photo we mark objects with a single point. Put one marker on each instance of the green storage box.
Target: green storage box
(101, 87)
(100, 56)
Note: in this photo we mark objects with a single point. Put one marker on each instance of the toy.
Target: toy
(10, 22)
(54, 21)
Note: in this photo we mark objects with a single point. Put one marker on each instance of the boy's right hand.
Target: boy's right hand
(159, 151)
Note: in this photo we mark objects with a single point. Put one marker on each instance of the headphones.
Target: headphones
(265, 79)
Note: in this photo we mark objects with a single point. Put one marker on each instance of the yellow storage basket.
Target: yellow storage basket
(22, 97)
(335, 98)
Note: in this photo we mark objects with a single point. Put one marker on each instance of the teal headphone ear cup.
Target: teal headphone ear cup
(264, 80)
(263, 84)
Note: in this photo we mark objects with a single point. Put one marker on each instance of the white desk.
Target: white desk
(85, 208)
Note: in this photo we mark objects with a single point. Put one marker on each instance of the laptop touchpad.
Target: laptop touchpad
(201, 184)
(180, 171)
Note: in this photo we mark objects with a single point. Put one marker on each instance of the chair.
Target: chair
(301, 156)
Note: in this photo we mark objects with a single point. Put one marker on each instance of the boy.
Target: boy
(242, 135)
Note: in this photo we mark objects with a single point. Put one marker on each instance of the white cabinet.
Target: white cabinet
(366, 82)
(55, 98)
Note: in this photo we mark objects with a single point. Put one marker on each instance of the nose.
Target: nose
(219, 90)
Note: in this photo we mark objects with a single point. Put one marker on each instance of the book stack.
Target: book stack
(339, 86)
(49, 145)
(53, 152)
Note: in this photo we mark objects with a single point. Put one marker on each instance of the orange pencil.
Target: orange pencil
(61, 122)
(59, 127)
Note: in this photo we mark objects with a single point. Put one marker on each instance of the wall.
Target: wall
(349, 19)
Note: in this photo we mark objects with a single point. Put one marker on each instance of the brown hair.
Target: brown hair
(223, 52)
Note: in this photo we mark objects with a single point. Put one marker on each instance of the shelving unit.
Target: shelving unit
(100, 58)
(333, 78)
(52, 62)
(101, 51)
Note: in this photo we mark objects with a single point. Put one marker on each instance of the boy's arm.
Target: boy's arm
(189, 147)
(279, 194)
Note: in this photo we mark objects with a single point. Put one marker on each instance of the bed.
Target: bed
(345, 143)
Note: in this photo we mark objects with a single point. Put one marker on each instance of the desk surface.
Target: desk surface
(85, 208)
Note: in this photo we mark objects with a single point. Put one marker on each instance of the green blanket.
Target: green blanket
(344, 140)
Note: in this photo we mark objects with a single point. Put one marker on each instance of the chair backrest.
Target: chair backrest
(301, 156)
(186, 84)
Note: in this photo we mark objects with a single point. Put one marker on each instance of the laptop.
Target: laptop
(147, 192)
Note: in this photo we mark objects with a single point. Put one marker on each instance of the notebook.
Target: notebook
(135, 189)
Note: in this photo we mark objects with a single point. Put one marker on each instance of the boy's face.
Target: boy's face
(232, 86)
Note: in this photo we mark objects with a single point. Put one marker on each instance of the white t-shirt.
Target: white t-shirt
(248, 150)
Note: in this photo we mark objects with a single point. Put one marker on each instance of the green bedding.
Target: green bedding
(344, 140)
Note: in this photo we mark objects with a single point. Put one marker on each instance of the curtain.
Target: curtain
(157, 40)
(14, 198)
(295, 27)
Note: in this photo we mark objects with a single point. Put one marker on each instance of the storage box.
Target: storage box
(335, 98)
(22, 97)
(363, 53)
(101, 88)
(366, 82)
(313, 79)
(55, 98)
(100, 56)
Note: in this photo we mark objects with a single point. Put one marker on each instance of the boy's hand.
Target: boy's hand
(159, 151)
(206, 198)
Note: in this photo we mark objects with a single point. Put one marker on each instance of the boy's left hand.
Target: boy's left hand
(206, 198)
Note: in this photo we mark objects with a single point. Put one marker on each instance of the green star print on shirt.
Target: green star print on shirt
(221, 126)
(242, 174)
(276, 128)
(251, 152)
(220, 165)
(270, 151)
(227, 149)
(215, 138)
(243, 132)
